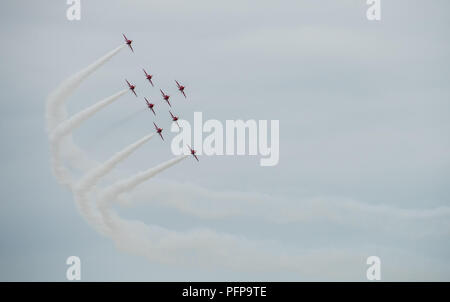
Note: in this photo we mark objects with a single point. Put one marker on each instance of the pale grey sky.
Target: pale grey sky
(364, 136)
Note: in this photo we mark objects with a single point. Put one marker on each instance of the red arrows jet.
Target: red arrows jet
(131, 87)
(165, 97)
(128, 42)
(148, 77)
(158, 130)
(150, 105)
(180, 88)
(174, 118)
(193, 152)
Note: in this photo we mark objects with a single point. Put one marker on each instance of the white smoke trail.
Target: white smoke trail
(90, 180)
(200, 247)
(66, 127)
(111, 193)
(69, 125)
(198, 201)
(55, 111)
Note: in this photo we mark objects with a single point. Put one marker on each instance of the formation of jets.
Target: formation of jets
(165, 97)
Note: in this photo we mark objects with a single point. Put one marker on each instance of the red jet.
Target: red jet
(193, 152)
(165, 97)
(158, 130)
(150, 105)
(148, 77)
(180, 88)
(131, 87)
(128, 42)
(174, 118)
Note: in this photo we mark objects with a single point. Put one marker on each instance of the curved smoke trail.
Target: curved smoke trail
(90, 180)
(111, 193)
(66, 128)
(56, 113)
